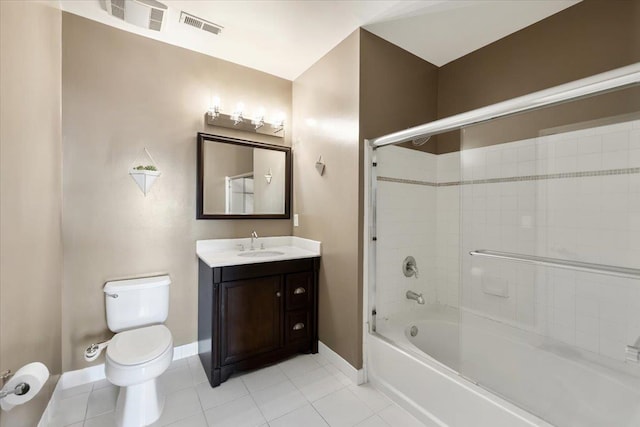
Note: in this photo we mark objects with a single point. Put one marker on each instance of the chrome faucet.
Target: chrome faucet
(254, 236)
(415, 296)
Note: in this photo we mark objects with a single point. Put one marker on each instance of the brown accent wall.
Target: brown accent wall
(326, 114)
(589, 38)
(30, 195)
(398, 90)
(121, 93)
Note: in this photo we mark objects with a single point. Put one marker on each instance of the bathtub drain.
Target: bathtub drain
(413, 331)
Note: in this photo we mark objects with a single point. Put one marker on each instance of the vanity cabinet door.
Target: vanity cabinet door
(250, 317)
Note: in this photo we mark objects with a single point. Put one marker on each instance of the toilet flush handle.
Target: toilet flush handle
(93, 351)
(111, 295)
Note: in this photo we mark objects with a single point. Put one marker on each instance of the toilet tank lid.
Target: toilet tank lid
(135, 284)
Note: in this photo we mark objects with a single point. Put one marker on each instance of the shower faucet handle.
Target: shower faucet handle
(409, 267)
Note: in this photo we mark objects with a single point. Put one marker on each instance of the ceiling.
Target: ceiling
(286, 37)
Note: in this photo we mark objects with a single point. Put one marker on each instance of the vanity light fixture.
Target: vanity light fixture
(214, 110)
(237, 120)
(258, 120)
(237, 115)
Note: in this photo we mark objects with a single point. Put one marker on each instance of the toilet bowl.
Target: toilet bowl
(135, 358)
(142, 348)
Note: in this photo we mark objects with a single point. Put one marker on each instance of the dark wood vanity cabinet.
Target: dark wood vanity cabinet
(253, 315)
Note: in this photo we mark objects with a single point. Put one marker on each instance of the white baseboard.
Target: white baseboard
(355, 375)
(96, 373)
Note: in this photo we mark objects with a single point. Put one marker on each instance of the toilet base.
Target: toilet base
(139, 405)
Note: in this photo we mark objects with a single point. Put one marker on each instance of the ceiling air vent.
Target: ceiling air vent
(143, 13)
(200, 23)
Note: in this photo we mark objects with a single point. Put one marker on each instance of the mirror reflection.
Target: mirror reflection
(242, 178)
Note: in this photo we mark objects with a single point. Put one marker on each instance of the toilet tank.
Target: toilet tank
(133, 303)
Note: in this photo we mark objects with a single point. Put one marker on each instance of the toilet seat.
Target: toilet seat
(139, 346)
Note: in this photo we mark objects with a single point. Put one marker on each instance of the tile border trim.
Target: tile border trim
(541, 177)
(407, 181)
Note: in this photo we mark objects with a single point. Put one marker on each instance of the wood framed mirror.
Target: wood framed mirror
(242, 179)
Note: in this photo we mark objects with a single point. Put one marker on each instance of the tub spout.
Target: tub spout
(415, 296)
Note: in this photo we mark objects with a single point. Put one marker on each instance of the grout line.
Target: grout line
(258, 406)
(318, 412)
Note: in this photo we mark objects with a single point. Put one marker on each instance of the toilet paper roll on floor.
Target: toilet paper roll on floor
(35, 374)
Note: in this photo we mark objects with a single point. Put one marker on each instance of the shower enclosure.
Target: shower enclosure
(527, 241)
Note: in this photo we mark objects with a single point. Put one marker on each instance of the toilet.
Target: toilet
(142, 348)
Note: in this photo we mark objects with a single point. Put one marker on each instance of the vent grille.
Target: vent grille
(200, 23)
(155, 19)
(192, 21)
(156, 15)
(211, 28)
(117, 8)
(155, 25)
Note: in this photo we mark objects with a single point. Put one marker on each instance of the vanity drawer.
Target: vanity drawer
(297, 326)
(299, 290)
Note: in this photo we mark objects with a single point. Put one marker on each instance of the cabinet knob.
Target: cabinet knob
(278, 294)
(298, 326)
(299, 291)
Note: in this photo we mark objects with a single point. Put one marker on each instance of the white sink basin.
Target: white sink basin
(224, 252)
(259, 254)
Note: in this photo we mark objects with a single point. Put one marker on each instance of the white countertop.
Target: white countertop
(226, 252)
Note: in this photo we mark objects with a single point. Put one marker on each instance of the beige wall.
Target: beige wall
(589, 38)
(30, 195)
(222, 160)
(268, 197)
(325, 105)
(123, 92)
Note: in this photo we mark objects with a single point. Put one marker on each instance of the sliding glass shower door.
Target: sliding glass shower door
(550, 259)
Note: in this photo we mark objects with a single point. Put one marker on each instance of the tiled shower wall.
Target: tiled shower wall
(573, 195)
(406, 225)
(417, 217)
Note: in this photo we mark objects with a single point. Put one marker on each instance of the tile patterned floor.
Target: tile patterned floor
(305, 391)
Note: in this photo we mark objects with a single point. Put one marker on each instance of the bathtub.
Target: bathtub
(416, 359)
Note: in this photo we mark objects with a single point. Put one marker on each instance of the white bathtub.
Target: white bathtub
(554, 381)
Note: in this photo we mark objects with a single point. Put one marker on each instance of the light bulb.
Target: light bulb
(278, 120)
(214, 110)
(237, 115)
